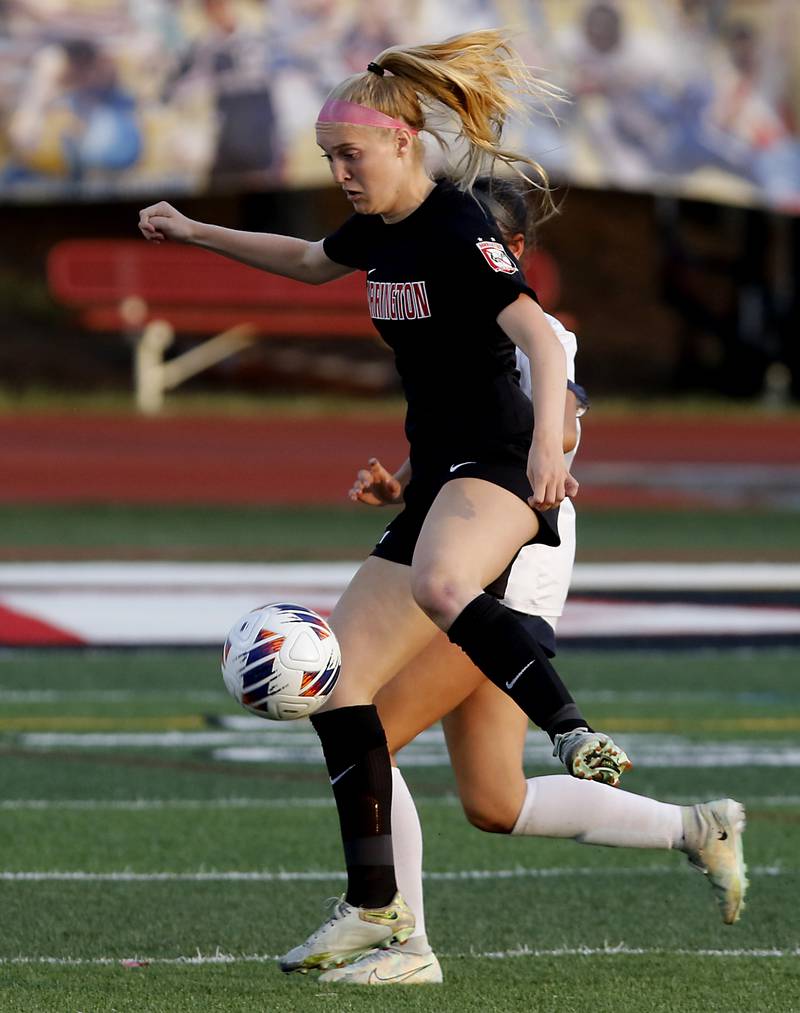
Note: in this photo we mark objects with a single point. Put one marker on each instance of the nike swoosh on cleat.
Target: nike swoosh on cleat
(387, 916)
(338, 777)
(396, 977)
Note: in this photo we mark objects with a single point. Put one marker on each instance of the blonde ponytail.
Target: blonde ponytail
(478, 77)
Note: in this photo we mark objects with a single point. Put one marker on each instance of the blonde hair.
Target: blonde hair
(476, 76)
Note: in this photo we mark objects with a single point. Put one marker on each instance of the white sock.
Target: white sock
(407, 845)
(593, 813)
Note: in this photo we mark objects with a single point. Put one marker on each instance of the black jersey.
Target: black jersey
(436, 282)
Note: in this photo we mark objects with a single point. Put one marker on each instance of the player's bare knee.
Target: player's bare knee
(489, 818)
(438, 594)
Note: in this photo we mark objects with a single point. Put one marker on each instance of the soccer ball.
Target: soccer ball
(281, 661)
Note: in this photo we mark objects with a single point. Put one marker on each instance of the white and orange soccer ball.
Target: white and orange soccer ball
(281, 661)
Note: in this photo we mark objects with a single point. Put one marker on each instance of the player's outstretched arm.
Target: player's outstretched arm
(283, 255)
(376, 486)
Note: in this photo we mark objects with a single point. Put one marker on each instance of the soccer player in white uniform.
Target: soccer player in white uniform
(451, 302)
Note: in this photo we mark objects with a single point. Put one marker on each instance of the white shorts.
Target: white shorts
(540, 575)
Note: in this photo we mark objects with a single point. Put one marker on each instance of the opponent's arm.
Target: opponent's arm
(570, 422)
(376, 486)
(525, 323)
(284, 255)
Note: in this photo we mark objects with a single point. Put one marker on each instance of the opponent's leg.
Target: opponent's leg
(434, 683)
(710, 834)
(496, 797)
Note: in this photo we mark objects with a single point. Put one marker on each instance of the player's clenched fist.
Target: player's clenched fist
(550, 480)
(162, 221)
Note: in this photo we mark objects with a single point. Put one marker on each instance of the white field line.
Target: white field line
(112, 696)
(654, 752)
(273, 742)
(195, 804)
(299, 579)
(220, 957)
(212, 698)
(457, 875)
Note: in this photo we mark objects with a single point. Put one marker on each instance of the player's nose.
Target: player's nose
(340, 173)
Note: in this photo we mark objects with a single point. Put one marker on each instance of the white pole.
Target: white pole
(156, 337)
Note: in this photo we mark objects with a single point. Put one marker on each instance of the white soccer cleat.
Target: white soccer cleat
(392, 966)
(350, 933)
(591, 756)
(713, 842)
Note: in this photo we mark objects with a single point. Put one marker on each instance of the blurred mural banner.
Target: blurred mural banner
(156, 98)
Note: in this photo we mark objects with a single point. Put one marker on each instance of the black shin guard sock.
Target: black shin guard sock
(354, 744)
(497, 641)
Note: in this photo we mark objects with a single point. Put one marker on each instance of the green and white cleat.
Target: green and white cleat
(350, 933)
(712, 834)
(392, 966)
(591, 756)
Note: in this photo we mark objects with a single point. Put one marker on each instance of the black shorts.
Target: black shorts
(506, 468)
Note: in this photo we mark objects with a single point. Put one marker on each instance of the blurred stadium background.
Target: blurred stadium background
(132, 533)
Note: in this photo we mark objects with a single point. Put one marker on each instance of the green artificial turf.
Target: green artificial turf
(564, 928)
(256, 534)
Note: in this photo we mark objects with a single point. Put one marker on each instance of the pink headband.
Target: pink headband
(338, 111)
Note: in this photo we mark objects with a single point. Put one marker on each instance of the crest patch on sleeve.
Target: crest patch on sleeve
(496, 257)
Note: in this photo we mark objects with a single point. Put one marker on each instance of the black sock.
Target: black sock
(354, 744)
(498, 642)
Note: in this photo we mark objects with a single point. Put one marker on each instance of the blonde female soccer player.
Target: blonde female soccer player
(485, 731)
(451, 302)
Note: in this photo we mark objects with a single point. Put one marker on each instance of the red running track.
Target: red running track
(271, 460)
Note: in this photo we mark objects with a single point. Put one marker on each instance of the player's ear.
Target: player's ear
(404, 143)
(516, 245)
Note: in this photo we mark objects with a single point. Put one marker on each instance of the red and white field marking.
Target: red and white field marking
(140, 604)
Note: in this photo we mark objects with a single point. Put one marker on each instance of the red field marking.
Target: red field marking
(238, 461)
(20, 630)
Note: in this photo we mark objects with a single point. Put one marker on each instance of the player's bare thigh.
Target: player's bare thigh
(431, 685)
(379, 627)
(472, 531)
(486, 741)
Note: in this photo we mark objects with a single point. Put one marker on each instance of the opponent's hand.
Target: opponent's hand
(376, 486)
(549, 478)
(162, 221)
